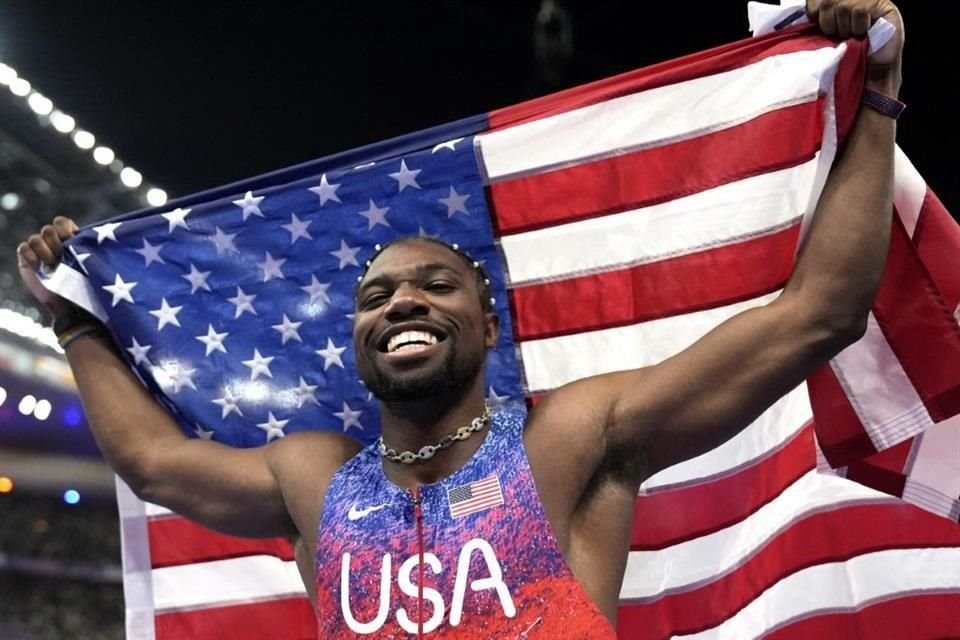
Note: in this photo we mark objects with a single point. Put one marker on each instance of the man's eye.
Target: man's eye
(374, 300)
(439, 285)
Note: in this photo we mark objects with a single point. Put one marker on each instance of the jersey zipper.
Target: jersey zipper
(418, 516)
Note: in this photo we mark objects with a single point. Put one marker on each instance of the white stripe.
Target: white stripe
(909, 191)
(651, 118)
(879, 390)
(135, 554)
(935, 465)
(696, 562)
(553, 362)
(778, 424)
(711, 218)
(851, 584)
(155, 510)
(69, 283)
(221, 582)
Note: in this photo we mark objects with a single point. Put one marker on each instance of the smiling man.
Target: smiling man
(464, 523)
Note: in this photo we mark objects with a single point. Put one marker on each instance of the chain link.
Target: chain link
(428, 451)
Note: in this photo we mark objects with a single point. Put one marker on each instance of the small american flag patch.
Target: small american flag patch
(476, 496)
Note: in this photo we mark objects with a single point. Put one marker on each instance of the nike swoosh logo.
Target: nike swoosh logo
(356, 514)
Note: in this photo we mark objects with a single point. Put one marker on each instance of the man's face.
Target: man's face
(420, 331)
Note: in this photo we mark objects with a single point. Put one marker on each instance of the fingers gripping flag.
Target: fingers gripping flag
(619, 221)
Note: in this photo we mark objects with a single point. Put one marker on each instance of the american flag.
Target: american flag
(475, 496)
(620, 221)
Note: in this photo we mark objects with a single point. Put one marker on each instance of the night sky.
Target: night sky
(199, 94)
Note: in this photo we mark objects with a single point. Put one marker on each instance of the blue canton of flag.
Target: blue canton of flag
(236, 311)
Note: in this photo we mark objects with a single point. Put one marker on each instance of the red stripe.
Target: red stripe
(176, 541)
(702, 280)
(711, 61)
(931, 615)
(840, 433)
(289, 618)
(828, 536)
(650, 176)
(669, 517)
(937, 238)
(919, 327)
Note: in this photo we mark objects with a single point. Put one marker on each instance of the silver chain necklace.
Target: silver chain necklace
(428, 451)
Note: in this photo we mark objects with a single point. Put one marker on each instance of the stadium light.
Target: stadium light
(7, 74)
(10, 201)
(71, 496)
(84, 139)
(42, 410)
(62, 122)
(27, 404)
(104, 155)
(26, 327)
(156, 197)
(3, 396)
(6, 484)
(131, 178)
(20, 87)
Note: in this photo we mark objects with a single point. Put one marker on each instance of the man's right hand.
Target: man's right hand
(43, 250)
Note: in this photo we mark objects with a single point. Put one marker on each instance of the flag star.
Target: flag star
(304, 393)
(250, 205)
(317, 290)
(177, 218)
(349, 417)
(495, 401)
(213, 340)
(139, 352)
(271, 267)
(203, 433)
(166, 314)
(105, 231)
(346, 254)
(449, 144)
(223, 242)
(259, 366)
(273, 427)
(80, 258)
(120, 290)
(423, 234)
(197, 279)
(288, 329)
(243, 302)
(181, 376)
(455, 202)
(229, 404)
(331, 355)
(326, 191)
(406, 177)
(375, 215)
(297, 228)
(150, 253)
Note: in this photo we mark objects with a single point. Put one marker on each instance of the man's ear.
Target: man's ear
(492, 331)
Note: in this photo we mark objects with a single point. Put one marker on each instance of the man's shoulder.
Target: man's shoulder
(311, 452)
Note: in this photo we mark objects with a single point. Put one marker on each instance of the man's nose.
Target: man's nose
(406, 301)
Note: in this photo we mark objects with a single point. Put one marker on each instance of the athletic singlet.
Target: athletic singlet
(491, 568)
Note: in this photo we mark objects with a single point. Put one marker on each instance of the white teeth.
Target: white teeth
(411, 338)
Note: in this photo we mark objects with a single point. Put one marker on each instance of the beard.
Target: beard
(451, 375)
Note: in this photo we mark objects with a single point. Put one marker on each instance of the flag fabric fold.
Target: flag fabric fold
(620, 221)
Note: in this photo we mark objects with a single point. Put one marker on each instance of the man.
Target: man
(432, 499)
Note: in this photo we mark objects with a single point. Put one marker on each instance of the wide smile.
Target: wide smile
(408, 343)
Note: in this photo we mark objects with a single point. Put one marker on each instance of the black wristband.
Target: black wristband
(72, 315)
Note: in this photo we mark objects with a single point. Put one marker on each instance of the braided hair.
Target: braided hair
(480, 276)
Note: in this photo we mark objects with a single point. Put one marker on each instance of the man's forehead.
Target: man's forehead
(415, 258)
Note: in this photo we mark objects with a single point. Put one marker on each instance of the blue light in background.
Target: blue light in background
(72, 416)
(71, 496)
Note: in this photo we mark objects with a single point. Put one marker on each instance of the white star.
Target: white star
(139, 352)
(455, 202)
(346, 254)
(166, 314)
(304, 393)
(105, 231)
(80, 258)
(250, 205)
(182, 377)
(406, 177)
(317, 290)
(331, 355)
(150, 253)
(259, 366)
(229, 404)
(495, 401)
(177, 218)
(243, 302)
(288, 330)
(449, 144)
(197, 279)
(273, 427)
(423, 234)
(271, 267)
(326, 191)
(375, 215)
(297, 228)
(120, 290)
(213, 340)
(223, 242)
(203, 433)
(350, 417)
